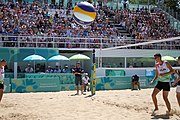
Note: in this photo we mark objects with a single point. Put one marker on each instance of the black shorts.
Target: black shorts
(1, 86)
(163, 85)
(78, 80)
(135, 82)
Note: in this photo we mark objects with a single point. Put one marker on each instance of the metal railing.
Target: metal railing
(61, 42)
(80, 42)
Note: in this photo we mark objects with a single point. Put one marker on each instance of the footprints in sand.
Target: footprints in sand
(125, 106)
(138, 109)
(18, 116)
(176, 112)
(7, 105)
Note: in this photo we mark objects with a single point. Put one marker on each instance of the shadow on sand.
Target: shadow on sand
(162, 116)
(88, 96)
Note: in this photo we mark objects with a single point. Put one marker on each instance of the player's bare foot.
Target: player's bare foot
(169, 113)
(154, 112)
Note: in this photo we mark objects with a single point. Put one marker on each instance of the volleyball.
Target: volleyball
(84, 13)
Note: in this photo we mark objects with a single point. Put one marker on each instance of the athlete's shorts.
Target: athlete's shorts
(165, 86)
(78, 80)
(178, 89)
(1, 86)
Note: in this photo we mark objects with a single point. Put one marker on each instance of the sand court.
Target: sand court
(105, 105)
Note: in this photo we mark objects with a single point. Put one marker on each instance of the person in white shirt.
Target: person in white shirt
(57, 69)
(29, 69)
(2, 64)
(49, 70)
(86, 82)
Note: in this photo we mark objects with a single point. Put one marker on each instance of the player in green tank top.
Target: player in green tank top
(163, 72)
(164, 78)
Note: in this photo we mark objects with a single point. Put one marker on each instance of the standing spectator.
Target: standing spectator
(78, 71)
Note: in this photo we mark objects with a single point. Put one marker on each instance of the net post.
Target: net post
(93, 80)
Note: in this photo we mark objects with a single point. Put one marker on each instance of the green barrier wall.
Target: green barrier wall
(35, 85)
(11, 75)
(116, 73)
(65, 81)
(67, 87)
(7, 85)
(64, 78)
(117, 83)
(38, 83)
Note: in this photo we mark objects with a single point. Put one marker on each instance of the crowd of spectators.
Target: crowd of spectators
(35, 19)
(146, 25)
(27, 19)
(40, 68)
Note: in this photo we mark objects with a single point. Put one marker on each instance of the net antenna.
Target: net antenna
(143, 43)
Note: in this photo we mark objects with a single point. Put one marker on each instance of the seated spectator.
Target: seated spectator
(72, 68)
(57, 69)
(49, 70)
(86, 82)
(29, 69)
(66, 70)
(135, 81)
(130, 66)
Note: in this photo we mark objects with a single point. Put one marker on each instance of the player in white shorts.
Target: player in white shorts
(2, 64)
(177, 82)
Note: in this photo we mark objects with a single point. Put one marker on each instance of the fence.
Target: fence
(80, 42)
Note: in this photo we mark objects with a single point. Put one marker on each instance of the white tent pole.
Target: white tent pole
(125, 62)
(15, 70)
(34, 67)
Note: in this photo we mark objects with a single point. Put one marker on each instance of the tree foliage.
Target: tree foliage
(173, 4)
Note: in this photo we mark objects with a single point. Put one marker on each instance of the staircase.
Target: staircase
(125, 36)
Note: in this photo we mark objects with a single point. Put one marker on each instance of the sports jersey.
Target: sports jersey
(162, 69)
